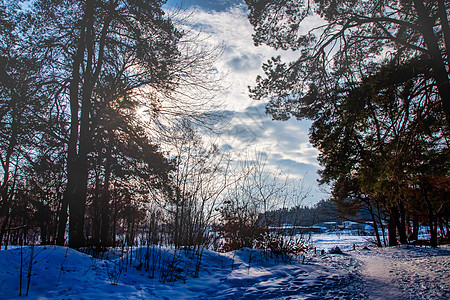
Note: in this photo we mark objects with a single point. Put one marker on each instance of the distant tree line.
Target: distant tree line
(374, 78)
(323, 211)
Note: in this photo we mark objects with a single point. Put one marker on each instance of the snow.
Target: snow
(376, 280)
(408, 272)
(365, 273)
(344, 240)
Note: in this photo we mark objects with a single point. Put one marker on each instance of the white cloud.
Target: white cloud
(241, 61)
(250, 129)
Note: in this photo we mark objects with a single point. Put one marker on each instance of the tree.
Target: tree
(94, 81)
(82, 42)
(44, 179)
(121, 150)
(20, 105)
(376, 116)
(200, 178)
(377, 139)
(247, 209)
(351, 40)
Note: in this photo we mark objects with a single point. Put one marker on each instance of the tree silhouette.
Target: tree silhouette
(374, 79)
(21, 105)
(85, 41)
(351, 40)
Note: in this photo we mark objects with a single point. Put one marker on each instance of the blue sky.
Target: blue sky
(250, 129)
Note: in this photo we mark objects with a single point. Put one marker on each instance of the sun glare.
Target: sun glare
(141, 110)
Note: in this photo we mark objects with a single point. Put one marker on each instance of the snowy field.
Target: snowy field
(390, 273)
(344, 241)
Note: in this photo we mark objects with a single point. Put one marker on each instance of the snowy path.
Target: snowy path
(376, 272)
(405, 273)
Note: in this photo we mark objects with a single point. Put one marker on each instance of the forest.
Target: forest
(104, 104)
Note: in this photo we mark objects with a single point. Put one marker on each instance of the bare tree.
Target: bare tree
(245, 211)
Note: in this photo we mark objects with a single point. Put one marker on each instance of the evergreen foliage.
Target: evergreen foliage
(374, 79)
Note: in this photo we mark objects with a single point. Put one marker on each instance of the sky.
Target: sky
(250, 130)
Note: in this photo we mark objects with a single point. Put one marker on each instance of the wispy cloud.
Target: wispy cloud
(249, 128)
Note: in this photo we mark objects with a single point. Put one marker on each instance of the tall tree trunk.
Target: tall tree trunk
(76, 195)
(432, 217)
(62, 222)
(447, 226)
(77, 165)
(375, 226)
(6, 208)
(415, 233)
(440, 73)
(401, 220)
(392, 230)
(441, 227)
(105, 197)
(380, 221)
(442, 13)
(432, 222)
(70, 194)
(96, 211)
(114, 225)
(6, 191)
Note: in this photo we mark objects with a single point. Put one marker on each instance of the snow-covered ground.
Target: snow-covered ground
(344, 241)
(390, 273)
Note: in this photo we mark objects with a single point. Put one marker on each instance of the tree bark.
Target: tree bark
(80, 131)
(105, 220)
(62, 222)
(5, 191)
(401, 225)
(440, 73)
(5, 221)
(432, 222)
(375, 226)
(415, 234)
(73, 195)
(392, 231)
